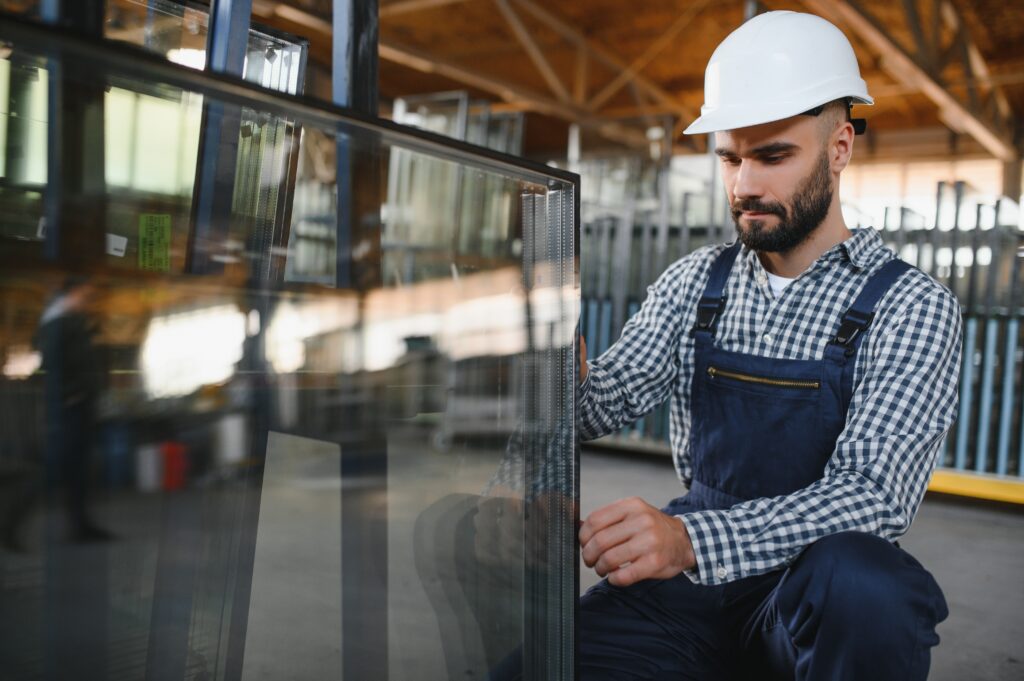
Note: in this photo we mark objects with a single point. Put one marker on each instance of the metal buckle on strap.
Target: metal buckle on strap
(708, 310)
(851, 326)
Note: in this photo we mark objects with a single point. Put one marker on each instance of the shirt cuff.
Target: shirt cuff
(584, 388)
(718, 559)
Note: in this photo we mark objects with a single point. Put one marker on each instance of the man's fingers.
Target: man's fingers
(614, 558)
(608, 515)
(603, 541)
(638, 570)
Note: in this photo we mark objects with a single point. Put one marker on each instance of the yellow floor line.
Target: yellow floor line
(978, 485)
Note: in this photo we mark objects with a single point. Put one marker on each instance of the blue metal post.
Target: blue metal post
(958, 197)
(77, 599)
(74, 149)
(989, 356)
(966, 393)
(985, 407)
(354, 85)
(1009, 363)
(357, 257)
(227, 40)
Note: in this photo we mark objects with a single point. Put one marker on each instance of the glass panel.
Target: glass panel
(151, 136)
(262, 416)
(179, 32)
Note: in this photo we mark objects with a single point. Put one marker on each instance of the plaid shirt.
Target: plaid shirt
(904, 399)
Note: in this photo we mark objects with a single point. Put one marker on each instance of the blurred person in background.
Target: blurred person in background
(74, 375)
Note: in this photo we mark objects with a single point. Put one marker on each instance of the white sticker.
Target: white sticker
(116, 244)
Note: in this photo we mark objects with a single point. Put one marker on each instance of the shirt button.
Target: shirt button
(761, 279)
(722, 572)
(767, 338)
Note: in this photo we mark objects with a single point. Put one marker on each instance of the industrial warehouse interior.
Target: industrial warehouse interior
(294, 297)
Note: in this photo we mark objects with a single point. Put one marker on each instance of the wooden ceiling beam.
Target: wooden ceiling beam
(533, 51)
(912, 72)
(579, 90)
(975, 60)
(392, 9)
(516, 96)
(605, 56)
(427, 63)
(656, 48)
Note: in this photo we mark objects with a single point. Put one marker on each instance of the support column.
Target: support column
(1012, 178)
(354, 85)
(75, 182)
(227, 39)
(364, 448)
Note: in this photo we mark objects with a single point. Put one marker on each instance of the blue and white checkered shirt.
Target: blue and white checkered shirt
(904, 399)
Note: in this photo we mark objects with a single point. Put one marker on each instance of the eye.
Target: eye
(773, 160)
(730, 160)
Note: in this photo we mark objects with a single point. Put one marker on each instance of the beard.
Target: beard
(810, 205)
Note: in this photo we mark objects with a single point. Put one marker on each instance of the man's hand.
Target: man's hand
(630, 540)
(583, 359)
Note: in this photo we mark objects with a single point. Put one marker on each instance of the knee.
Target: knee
(861, 579)
(852, 557)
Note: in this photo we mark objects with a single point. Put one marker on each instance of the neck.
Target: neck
(794, 262)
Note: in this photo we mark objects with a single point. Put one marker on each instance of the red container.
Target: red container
(175, 465)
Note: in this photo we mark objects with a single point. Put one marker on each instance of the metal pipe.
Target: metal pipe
(216, 169)
(684, 227)
(972, 275)
(963, 424)
(1009, 360)
(958, 194)
(661, 247)
(989, 355)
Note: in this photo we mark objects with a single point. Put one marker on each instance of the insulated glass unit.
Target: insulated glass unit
(286, 434)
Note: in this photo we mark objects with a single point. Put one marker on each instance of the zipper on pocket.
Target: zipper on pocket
(715, 372)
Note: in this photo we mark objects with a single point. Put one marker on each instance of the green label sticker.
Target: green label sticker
(155, 242)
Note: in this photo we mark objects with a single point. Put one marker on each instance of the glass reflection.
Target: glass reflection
(327, 433)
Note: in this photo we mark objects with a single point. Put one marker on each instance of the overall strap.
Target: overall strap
(712, 301)
(858, 318)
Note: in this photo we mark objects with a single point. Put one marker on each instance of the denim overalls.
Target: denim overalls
(852, 606)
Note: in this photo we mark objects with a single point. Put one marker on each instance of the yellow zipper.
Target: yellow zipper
(714, 372)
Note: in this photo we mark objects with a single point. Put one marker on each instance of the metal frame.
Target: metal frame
(132, 61)
(364, 547)
(73, 138)
(226, 45)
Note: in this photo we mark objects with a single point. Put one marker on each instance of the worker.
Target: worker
(812, 377)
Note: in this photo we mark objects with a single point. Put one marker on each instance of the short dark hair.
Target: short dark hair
(836, 111)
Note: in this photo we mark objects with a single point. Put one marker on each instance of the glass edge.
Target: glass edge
(126, 60)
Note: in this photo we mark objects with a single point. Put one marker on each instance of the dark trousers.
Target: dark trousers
(852, 606)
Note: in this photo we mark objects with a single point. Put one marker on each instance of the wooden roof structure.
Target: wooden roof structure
(617, 68)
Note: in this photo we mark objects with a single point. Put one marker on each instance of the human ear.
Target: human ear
(840, 148)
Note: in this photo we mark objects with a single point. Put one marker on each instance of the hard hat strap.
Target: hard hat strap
(860, 125)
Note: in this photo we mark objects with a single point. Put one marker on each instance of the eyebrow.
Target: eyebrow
(770, 149)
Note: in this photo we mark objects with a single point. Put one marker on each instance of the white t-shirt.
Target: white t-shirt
(778, 283)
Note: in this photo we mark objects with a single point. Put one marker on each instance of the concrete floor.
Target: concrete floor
(975, 552)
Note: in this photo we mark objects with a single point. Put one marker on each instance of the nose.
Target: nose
(746, 182)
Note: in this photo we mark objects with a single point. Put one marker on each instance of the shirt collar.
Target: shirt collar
(862, 249)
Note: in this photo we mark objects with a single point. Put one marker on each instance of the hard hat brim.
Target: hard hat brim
(734, 118)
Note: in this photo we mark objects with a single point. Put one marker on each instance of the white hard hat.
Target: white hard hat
(777, 65)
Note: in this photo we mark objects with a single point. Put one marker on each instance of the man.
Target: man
(812, 376)
(74, 383)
